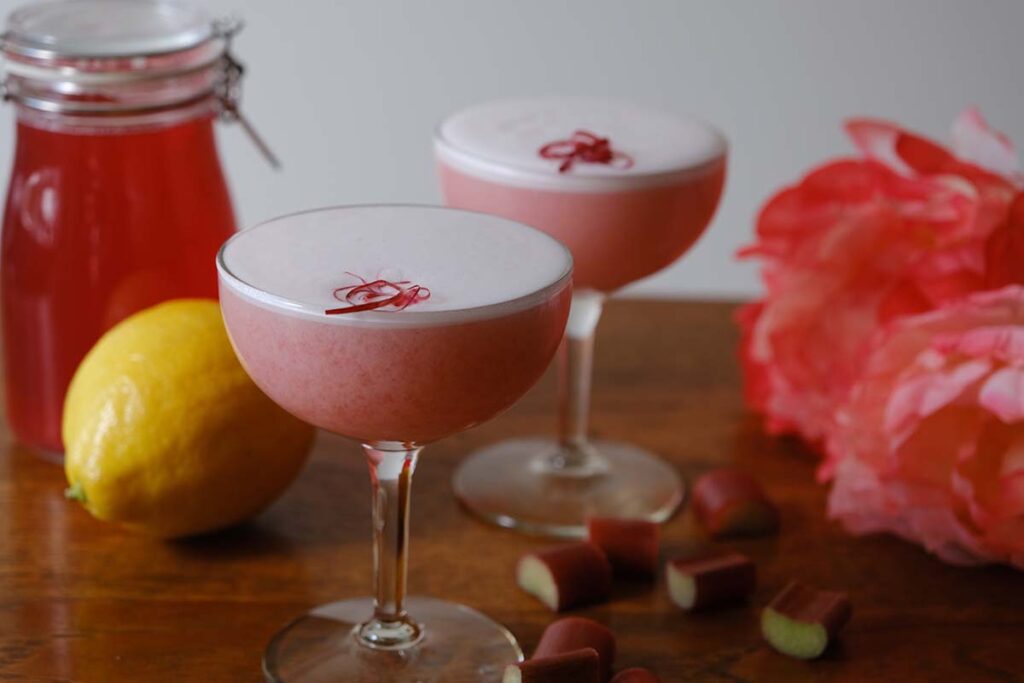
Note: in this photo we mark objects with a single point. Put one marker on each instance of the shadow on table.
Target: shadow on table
(246, 540)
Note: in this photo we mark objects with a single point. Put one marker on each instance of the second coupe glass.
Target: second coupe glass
(628, 189)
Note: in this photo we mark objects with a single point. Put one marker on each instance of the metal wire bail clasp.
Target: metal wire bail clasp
(229, 88)
(5, 94)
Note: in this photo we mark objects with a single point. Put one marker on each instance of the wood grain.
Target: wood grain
(85, 601)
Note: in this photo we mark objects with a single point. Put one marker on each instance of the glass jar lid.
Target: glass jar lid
(62, 51)
(64, 29)
(119, 62)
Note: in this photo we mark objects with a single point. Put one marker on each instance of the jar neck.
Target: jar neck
(118, 122)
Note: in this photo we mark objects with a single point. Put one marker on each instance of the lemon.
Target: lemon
(165, 432)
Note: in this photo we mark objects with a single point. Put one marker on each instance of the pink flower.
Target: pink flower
(930, 445)
(861, 242)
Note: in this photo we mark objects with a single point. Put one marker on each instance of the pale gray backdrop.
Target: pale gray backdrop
(349, 91)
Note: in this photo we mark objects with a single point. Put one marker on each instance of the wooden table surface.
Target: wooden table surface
(82, 600)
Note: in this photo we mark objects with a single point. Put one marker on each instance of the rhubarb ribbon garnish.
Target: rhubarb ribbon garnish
(586, 147)
(375, 294)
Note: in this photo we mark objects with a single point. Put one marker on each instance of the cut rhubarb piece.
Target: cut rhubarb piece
(632, 545)
(710, 581)
(580, 666)
(730, 502)
(801, 621)
(566, 576)
(575, 633)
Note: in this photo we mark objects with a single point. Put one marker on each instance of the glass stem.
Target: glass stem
(391, 468)
(575, 368)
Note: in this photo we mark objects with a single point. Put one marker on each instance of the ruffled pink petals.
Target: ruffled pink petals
(976, 142)
(1003, 342)
(1002, 394)
(892, 334)
(930, 443)
(866, 503)
(903, 152)
(856, 245)
(1004, 252)
(925, 394)
(877, 140)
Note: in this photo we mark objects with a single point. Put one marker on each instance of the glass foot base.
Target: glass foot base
(459, 645)
(515, 485)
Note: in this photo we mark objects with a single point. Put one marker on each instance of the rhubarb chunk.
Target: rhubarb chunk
(631, 545)
(729, 502)
(580, 666)
(801, 621)
(575, 633)
(710, 581)
(566, 576)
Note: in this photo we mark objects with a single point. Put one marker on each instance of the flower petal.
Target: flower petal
(1003, 394)
(975, 141)
(1004, 252)
(866, 504)
(905, 153)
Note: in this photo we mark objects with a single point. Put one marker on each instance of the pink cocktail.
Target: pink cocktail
(428, 382)
(395, 326)
(629, 190)
(616, 236)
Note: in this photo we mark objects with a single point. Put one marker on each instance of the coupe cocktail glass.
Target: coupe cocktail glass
(329, 313)
(628, 190)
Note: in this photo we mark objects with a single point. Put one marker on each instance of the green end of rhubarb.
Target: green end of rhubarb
(682, 589)
(534, 577)
(791, 637)
(512, 674)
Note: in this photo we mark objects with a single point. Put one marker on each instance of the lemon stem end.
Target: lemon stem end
(75, 492)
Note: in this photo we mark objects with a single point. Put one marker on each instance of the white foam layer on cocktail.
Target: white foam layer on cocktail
(501, 139)
(467, 260)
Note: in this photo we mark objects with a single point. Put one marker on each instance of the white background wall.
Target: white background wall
(348, 91)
